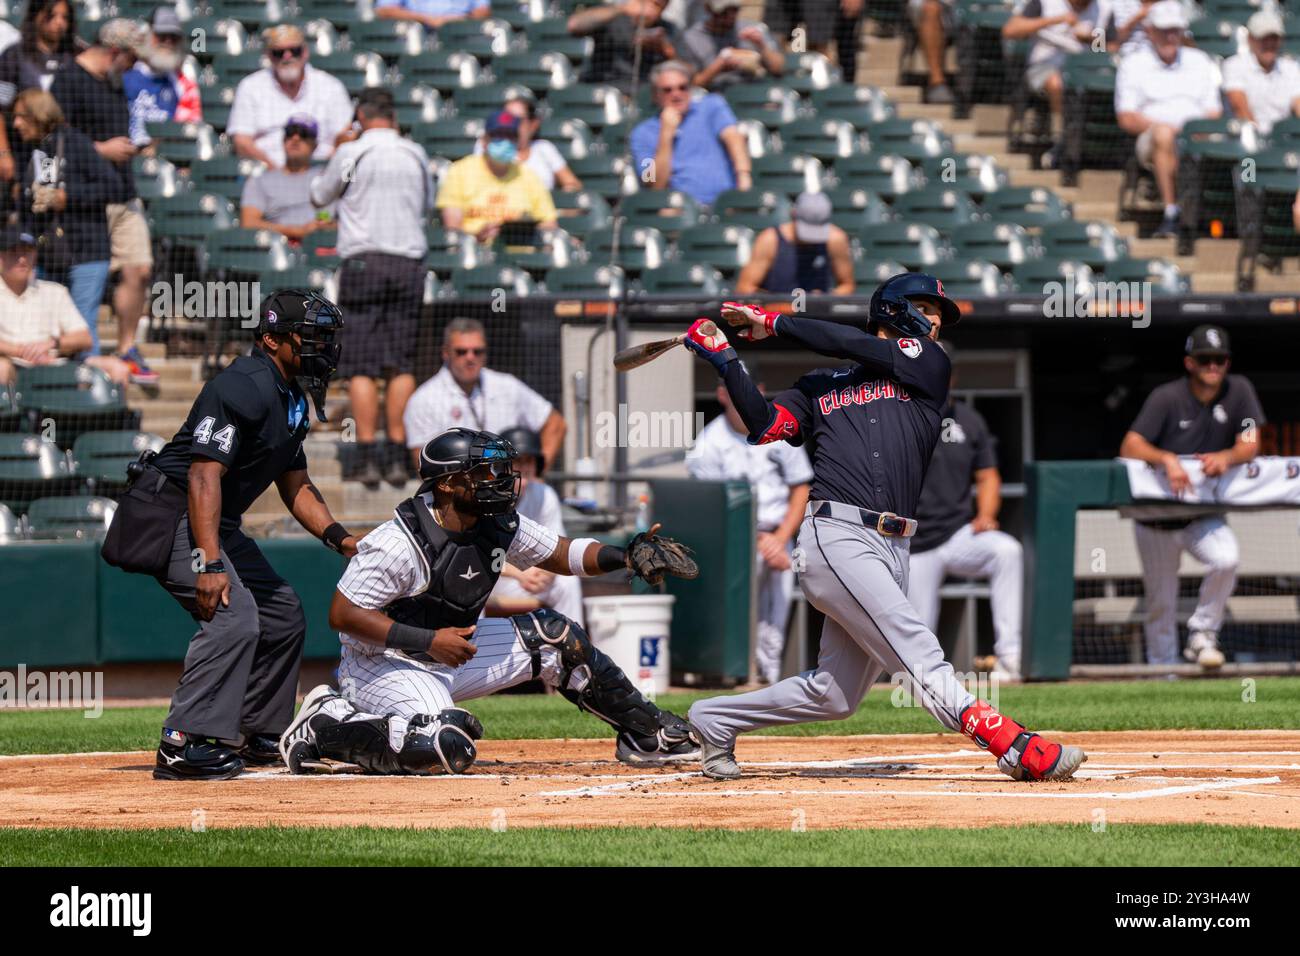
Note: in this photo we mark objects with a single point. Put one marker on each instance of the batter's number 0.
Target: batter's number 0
(224, 438)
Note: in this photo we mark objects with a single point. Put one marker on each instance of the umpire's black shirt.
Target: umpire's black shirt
(965, 446)
(249, 419)
(1174, 420)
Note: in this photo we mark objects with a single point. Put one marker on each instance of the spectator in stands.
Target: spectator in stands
(1260, 85)
(692, 146)
(265, 100)
(47, 42)
(156, 90)
(1057, 28)
(1157, 90)
(468, 394)
(825, 22)
(1214, 417)
(933, 20)
(540, 155)
(518, 592)
(483, 192)
(89, 90)
(39, 323)
(779, 475)
(280, 199)
(433, 13)
(618, 29)
(957, 536)
(725, 50)
(808, 252)
(384, 192)
(1130, 24)
(68, 185)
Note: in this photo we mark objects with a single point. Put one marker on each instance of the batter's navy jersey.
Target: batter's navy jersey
(249, 419)
(874, 423)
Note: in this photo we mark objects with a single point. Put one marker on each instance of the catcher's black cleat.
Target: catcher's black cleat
(665, 747)
(260, 750)
(185, 757)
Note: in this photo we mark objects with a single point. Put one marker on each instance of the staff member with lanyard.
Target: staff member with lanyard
(180, 522)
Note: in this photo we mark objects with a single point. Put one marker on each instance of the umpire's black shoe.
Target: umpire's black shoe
(185, 757)
(260, 750)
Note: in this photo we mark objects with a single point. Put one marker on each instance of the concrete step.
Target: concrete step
(1217, 255)
(1097, 185)
(1214, 281)
(991, 119)
(1287, 282)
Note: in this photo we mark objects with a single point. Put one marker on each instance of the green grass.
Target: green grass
(1046, 845)
(1137, 705)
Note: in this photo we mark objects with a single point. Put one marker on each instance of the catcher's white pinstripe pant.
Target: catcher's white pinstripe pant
(1210, 541)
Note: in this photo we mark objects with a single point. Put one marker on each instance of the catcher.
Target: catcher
(408, 606)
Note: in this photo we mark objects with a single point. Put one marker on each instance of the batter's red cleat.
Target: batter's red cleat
(1021, 755)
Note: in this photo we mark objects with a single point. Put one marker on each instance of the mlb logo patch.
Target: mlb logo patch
(650, 651)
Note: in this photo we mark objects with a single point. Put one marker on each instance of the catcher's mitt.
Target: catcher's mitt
(650, 557)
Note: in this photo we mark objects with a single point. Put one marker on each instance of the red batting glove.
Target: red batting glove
(706, 340)
(754, 323)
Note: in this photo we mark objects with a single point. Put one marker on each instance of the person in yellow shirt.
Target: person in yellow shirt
(484, 191)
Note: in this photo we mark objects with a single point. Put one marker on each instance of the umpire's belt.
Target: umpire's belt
(883, 522)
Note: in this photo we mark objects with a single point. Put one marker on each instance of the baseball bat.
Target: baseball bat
(637, 355)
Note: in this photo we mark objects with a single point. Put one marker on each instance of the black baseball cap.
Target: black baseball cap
(1208, 340)
(13, 236)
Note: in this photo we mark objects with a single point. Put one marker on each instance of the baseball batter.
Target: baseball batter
(874, 423)
(408, 608)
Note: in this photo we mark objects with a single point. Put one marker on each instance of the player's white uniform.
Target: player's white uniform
(723, 454)
(564, 594)
(386, 682)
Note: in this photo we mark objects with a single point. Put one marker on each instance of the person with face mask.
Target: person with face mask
(265, 100)
(483, 192)
(155, 88)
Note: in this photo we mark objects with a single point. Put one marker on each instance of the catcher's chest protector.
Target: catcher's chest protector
(461, 574)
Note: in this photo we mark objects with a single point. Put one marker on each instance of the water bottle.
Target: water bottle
(643, 513)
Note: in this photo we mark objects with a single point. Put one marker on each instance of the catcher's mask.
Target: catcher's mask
(891, 305)
(316, 321)
(488, 460)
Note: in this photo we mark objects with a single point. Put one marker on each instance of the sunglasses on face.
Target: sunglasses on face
(461, 352)
(1206, 360)
(286, 53)
(299, 131)
(672, 89)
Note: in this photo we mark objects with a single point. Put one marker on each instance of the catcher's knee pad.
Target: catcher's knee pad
(590, 679)
(393, 745)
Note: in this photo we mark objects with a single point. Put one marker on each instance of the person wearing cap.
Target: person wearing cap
(280, 199)
(693, 145)
(809, 252)
(956, 535)
(180, 522)
(1260, 84)
(1214, 417)
(265, 100)
(779, 475)
(384, 194)
(433, 13)
(39, 322)
(89, 89)
(484, 191)
(625, 35)
(1057, 28)
(725, 50)
(156, 90)
(540, 155)
(1158, 88)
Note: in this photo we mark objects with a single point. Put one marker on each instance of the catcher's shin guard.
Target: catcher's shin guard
(1021, 755)
(595, 683)
(424, 744)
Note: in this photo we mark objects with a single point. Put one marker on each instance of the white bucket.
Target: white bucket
(633, 630)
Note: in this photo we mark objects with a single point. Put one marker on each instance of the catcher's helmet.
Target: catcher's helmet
(890, 305)
(525, 441)
(317, 322)
(464, 449)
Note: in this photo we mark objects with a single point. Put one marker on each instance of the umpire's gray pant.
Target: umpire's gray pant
(241, 671)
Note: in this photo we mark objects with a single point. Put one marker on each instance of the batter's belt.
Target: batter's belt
(883, 522)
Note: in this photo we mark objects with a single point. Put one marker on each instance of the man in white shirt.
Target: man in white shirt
(1158, 89)
(39, 324)
(265, 100)
(779, 474)
(466, 393)
(384, 193)
(1262, 86)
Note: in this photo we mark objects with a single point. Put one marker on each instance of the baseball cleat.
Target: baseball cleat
(183, 756)
(717, 763)
(655, 751)
(1203, 648)
(1034, 757)
(260, 750)
(297, 744)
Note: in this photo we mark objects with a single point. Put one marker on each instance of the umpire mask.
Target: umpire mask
(317, 322)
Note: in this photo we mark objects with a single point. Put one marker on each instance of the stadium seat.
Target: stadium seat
(1030, 206)
(539, 72)
(32, 467)
(759, 140)
(979, 176)
(639, 247)
(1165, 276)
(679, 279)
(617, 137)
(244, 251)
(667, 210)
(450, 250)
(190, 216)
(216, 102)
(572, 137)
(75, 398)
(319, 250)
(1285, 132)
(1005, 244)
(552, 34)
(184, 144)
(887, 175)
(914, 244)
(914, 139)
(417, 103)
(520, 14)
(445, 70)
(355, 69)
(1209, 154)
(551, 251)
(483, 39)
(971, 279)
(80, 516)
(10, 528)
(860, 106)
(725, 247)
(484, 281)
(944, 209)
(323, 38)
(589, 281)
(156, 178)
(1093, 242)
(854, 208)
(755, 208)
(986, 63)
(479, 102)
(611, 177)
(12, 419)
(391, 39)
(301, 276)
(581, 211)
(1091, 138)
(227, 69)
(827, 139)
(1264, 212)
(254, 13)
(597, 105)
(225, 175)
(450, 138)
(787, 174)
(808, 72)
(870, 272)
(771, 104)
(1033, 274)
(1222, 38)
(223, 35)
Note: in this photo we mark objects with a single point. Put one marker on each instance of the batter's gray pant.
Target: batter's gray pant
(241, 671)
(858, 579)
